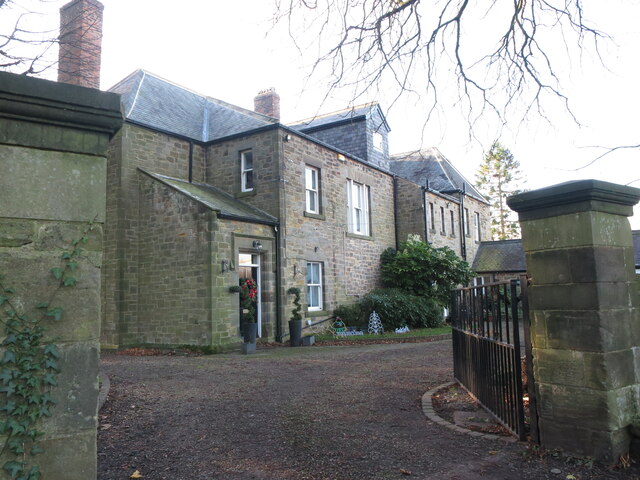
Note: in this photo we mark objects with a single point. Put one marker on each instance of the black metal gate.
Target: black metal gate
(490, 340)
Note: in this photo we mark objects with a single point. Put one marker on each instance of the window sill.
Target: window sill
(316, 313)
(444, 234)
(358, 235)
(317, 216)
(249, 193)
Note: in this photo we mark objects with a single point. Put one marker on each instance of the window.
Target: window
(311, 182)
(314, 286)
(453, 223)
(476, 221)
(444, 225)
(432, 217)
(378, 141)
(358, 200)
(465, 222)
(246, 170)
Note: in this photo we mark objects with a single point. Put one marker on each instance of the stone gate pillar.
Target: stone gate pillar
(585, 327)
(53, 167)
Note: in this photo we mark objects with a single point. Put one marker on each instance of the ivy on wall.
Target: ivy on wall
(29, 366)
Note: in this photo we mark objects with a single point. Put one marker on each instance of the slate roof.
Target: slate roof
(500, 256)
(430, 164)
(224, 204)
(156, 103)
(636, 246)
(359, 112)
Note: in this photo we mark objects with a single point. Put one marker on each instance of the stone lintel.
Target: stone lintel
(52, 103)
(573, 197)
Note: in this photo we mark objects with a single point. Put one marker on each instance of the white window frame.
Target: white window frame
(453, 223)
(314, 285)
(476, 221)
(358, 204)
(245, 172)
(378, 141)
(465, 220)
(311, 191)
(432, 216)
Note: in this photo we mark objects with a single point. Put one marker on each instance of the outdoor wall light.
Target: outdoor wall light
(257, 244)
(286, 137)
(224, 266)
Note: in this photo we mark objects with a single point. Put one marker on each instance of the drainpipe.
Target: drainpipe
(395, 208)
(279, 332)
(190, 161)
(425, 189)
(463, 237)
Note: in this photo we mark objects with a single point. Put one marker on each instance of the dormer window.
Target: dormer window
(246, 170)
(378, 141)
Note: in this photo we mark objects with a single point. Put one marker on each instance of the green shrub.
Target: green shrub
(398, 308)
(420, 269)
(351, 315)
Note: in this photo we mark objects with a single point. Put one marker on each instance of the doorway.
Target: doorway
(249, 268)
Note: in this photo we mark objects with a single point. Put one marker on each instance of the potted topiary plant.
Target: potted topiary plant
(295, 324)
(248, 310)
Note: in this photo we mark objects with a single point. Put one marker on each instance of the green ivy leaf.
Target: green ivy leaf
(9, 357)
(10, 339)
(9, 290)
(66, 255)
(3, 299)
(72, 266)
(6, 376)
(49, 379)
(9, 406)
(52, 350)
(34, 473)
(9, 389)
(69, 281)
(13, 468)
(55, 313)
(36, 449)
(57, 272)
(42, 305)
(51, 364)
(16, 445)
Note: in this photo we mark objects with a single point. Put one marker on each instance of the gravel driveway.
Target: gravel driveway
(299, 413)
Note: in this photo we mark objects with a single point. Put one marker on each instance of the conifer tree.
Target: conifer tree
(498, 177)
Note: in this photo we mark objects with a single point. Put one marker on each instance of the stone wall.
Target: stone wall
(413, 209)
(585, 322)
(223, 168)
(134, 147)
(53, 140)
(174, 268)
(411, 215)
(350, 262)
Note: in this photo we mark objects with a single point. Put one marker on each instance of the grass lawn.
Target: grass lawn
(420, 332)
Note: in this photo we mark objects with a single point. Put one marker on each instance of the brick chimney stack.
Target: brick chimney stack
(80, 43)
(268, 103)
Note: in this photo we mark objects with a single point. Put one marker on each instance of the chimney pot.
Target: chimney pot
(80, 43)
(267, 102)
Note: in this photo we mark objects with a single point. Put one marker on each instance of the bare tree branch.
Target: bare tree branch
(507, 68)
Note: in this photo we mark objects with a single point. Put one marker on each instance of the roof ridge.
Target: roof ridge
(335, 112)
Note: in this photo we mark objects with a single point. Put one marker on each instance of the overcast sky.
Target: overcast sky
(227, 50)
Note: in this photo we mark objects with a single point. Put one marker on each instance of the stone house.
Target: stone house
(202, 193)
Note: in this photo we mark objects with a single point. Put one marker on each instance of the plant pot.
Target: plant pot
(295, 333)
(249, 332)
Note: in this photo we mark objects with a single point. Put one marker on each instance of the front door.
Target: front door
(249, 268)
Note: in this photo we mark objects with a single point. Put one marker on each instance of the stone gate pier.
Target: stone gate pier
(585, 324)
